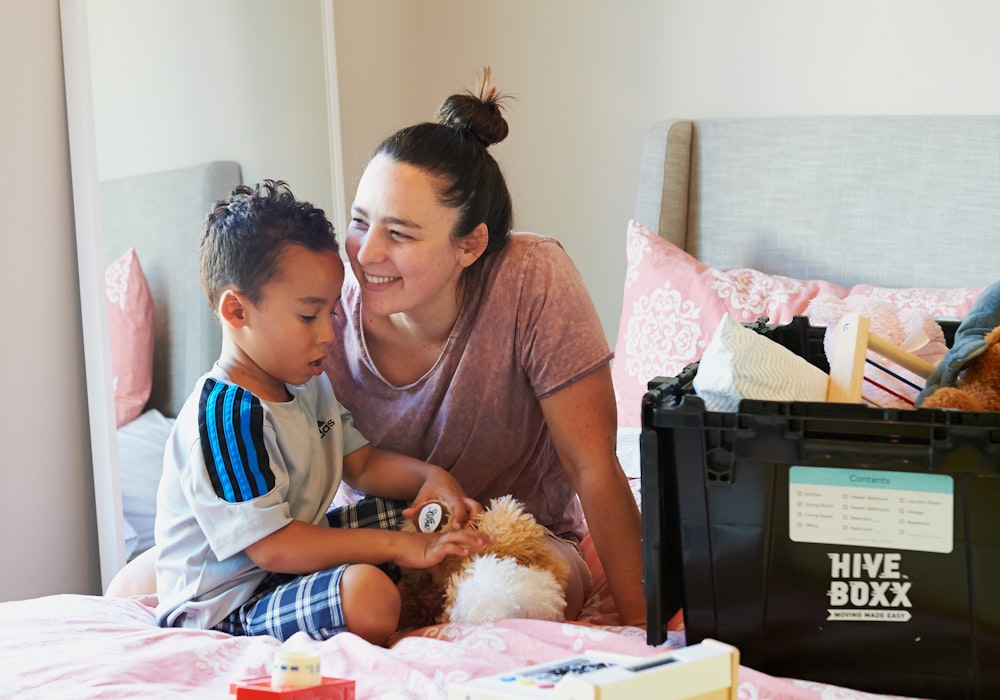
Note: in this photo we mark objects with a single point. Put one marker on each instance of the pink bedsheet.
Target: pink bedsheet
(75, 646)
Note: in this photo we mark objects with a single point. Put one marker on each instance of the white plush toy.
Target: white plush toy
(515, 575)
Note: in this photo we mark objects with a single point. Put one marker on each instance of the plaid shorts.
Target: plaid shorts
(284, 604)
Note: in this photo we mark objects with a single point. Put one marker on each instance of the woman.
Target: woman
(478, 349)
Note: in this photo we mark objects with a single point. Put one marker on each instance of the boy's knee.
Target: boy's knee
(371, 603)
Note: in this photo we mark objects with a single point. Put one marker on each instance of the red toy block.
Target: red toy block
(260, 688)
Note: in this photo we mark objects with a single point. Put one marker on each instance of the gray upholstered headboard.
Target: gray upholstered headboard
(884, 200)
(162, 214)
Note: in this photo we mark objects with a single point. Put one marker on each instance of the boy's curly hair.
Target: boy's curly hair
(246, 233)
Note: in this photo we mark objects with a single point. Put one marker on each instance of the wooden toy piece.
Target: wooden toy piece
(852, 340)
(295, 675)
(260, 689)
(295, 668)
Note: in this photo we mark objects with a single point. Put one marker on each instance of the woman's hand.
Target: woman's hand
(380, 472)
(442, 486)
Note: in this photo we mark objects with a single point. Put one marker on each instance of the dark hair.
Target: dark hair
(246, 233)
(454, 149)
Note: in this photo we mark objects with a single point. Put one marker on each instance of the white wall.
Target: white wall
(379, 47)
(48, 537)
(590, 77)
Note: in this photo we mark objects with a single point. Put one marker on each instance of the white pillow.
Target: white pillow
(141, 444)
(627, 449)
(739, 363)
(131, 540)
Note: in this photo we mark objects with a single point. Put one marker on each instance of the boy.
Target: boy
(259, 449)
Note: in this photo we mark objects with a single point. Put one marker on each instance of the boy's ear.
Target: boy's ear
(474, 244)
(232, 308)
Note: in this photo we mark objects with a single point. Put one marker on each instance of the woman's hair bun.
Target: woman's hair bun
(477, 111)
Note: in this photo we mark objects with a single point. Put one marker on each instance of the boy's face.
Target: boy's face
(289, 332)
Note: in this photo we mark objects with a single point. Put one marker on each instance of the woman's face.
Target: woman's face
(399, 242)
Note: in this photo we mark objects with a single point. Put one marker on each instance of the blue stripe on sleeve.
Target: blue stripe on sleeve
(208, 423)
(231, 425)
(246, 409)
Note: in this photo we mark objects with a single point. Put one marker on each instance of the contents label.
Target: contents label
(863, 507)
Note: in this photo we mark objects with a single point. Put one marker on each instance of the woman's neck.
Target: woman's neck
(404, 346)
(428, 325)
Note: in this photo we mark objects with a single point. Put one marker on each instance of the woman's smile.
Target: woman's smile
(379, 279)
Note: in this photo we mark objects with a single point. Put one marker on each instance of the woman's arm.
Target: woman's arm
(582, 421)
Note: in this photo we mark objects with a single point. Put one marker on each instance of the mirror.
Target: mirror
(155, 86)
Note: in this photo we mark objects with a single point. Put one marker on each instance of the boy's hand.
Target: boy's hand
(423, 550)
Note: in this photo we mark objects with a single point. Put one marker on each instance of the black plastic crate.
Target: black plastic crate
(814, 536)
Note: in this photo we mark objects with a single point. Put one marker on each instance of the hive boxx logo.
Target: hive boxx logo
(868, 587)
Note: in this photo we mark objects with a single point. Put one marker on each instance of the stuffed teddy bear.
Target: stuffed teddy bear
(914, 331)
(978, 389)
(515, 575)
(968, 378)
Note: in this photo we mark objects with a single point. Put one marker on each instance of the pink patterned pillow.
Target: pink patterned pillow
(673, 304)
(130, 326)
(939, 303)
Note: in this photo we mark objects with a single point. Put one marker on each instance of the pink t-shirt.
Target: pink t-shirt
(529, 330)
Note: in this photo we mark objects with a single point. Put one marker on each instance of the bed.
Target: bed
(744, 216)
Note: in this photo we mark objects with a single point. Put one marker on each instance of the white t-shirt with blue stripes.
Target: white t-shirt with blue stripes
(237, 469)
